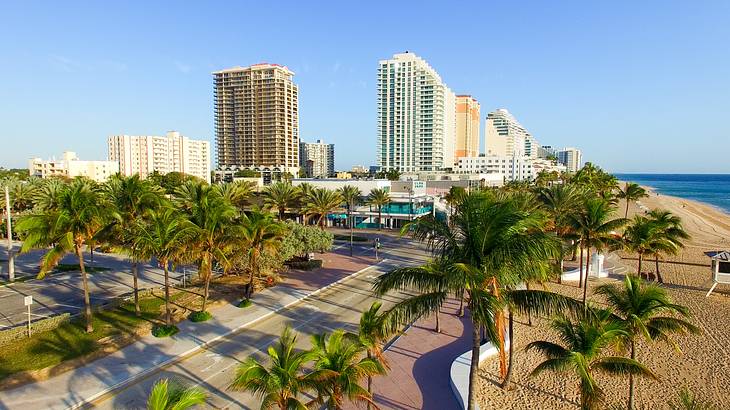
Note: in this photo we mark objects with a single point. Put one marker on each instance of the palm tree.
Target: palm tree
(77, 216)
(174, 396)
(561, 202)
(261, 234)
(351, 195)
(434, 281)
(374, 331)
(490, 241)
(341, 365)
(282, 196)
(631, 192)
(689, 401)
(131, 198)
(322, 202)
(645, 311)
(596, 229)
(283, 381)
(639, 237)
(46, 197)
(379, 197)
(453, 198)
(582, 353)
(163, 235)
(237, 193)
(215, 233)
(668, 235)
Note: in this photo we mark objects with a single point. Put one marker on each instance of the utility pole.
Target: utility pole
(11, 257)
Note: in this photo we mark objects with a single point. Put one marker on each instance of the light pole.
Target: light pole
(11, 257)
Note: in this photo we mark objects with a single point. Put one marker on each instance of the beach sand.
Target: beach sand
(703, 364)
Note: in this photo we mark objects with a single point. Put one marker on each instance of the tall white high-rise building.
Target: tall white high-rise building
(317, 159)
(145, 154)
(416, 116)
(506, 136)
(571, 157)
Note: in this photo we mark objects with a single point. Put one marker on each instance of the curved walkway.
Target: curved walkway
(419, 364)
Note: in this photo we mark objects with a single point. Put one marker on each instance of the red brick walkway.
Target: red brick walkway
(420, 363)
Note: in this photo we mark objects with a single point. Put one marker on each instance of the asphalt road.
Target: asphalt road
(213, 368)
(63, 292)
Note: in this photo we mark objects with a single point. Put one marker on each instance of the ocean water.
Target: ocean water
(712, 189)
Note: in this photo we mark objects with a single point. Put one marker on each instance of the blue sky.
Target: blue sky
(639, 86)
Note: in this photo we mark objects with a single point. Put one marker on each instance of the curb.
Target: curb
(177, 358)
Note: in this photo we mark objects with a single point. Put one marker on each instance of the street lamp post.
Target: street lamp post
(11, 257)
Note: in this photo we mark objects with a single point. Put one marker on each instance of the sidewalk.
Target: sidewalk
(84, 384)
(420, 364)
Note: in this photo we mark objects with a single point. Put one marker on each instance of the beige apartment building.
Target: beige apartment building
(145, 154)
(257, 119)
(505, 136)
(467, 127)
(70, 166)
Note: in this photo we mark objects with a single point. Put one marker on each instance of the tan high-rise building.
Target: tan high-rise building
(145, 154)
(506, 136)
(257, 118)
(467, 127)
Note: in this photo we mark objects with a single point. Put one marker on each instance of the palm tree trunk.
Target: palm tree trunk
(658, 275)
(474, 369)
(168, 314)
(380, 218)
(580, 266)
(585, 283)
(631, 378)
(206, 290)
(135, 276)
(370, 383)
(560, 274)
(249, 290)
(461, 303)
(87, 299)
(529, 315)
(626, 214)
(638, 271)
(505, 383)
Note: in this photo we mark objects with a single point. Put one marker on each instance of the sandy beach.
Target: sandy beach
(703, 364)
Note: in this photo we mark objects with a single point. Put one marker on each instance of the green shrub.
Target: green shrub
(164, 330)
(200, 316)
(244, 303)
(305, 265)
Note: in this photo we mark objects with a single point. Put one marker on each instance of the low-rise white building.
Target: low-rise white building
(71, 166)
(512, 168)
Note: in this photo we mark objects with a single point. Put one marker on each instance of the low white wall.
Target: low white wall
(460, 371)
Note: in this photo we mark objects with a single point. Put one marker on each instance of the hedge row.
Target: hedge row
(19, 332)
(51, 323)
(305, 265)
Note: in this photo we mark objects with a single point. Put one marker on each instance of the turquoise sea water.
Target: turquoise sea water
(712, 189)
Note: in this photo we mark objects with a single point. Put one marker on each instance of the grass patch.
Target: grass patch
(165, 330)
(244, 303)
(70, 340)
(347, 238)
(200, 316)
(72, 267)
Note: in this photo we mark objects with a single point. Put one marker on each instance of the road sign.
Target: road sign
(28, 300)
